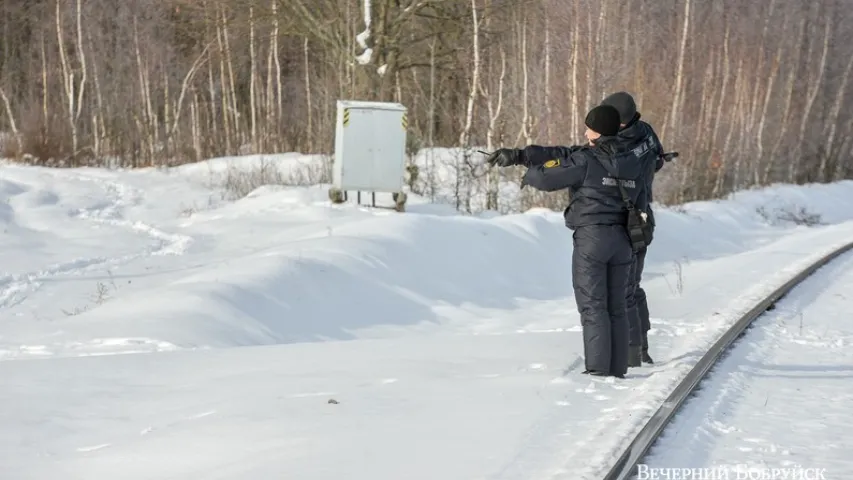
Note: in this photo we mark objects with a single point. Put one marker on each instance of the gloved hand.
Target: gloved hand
(505, 157)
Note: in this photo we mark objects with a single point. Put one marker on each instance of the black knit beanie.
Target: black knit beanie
(603, 119)
(624, 103)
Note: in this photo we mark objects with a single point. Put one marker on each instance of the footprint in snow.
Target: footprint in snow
(201, 415)
(642, 406)
(196, 416)
(589, 388)
(93, 448)
(311, 394)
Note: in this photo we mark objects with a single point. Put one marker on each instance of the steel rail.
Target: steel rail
(626, 465)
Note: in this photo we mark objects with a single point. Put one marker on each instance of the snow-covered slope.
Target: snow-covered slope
(441, 335)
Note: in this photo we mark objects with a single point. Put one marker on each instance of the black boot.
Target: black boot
(595, 373)
(645, 354)
(635, 357)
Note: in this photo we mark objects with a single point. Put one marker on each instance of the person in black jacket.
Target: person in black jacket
(640, 137)
(602, 253)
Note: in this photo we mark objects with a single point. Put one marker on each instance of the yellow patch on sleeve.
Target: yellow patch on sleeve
(552, 164)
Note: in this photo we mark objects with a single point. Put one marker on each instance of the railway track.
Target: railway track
(625, 466)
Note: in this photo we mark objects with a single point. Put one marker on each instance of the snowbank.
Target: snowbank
(332, 279)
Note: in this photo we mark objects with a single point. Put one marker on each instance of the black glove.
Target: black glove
(505, 157)
(668, 157)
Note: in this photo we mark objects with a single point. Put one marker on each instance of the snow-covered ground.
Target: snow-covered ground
(778, 406)
(450, 343)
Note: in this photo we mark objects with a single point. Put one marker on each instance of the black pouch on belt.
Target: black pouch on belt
(639, 230)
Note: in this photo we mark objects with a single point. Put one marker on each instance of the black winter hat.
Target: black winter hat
(624, 102)
(603, 119)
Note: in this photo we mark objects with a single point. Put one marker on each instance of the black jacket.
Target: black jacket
(584, 171)
(641, 138)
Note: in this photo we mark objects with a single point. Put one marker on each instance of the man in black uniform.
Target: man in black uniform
(602, 254)
(640, 137)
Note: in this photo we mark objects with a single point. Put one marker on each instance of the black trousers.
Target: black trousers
(640, 300)
(635, 298)
(601, 268)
